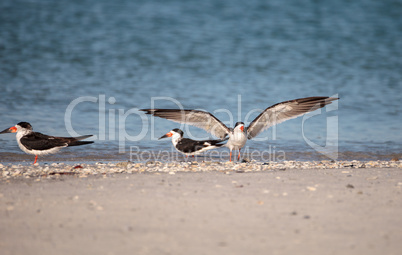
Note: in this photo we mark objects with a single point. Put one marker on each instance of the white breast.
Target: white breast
(236, 141)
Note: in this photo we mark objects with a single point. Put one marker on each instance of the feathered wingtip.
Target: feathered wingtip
(78, 138)
(75, 141)
(148, 111)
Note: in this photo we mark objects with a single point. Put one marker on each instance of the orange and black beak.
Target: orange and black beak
(167, 135)
(9, 130)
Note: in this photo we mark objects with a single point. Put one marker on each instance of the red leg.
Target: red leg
(36, 158)
(238, 156)
(230, 156)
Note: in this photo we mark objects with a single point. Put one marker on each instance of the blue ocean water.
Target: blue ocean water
(86, 67)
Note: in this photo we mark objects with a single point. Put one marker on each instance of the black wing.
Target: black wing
(187, 145)
(39, 141)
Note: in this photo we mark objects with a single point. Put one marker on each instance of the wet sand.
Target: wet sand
(186, 208)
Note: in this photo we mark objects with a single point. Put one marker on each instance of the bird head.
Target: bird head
(240, 126)
(175, 132)
(22, 126)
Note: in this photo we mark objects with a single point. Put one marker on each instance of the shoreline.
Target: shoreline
(82, 170)
(172, 155)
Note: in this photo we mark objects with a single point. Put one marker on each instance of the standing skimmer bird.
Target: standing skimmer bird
(39, 144)
(188, 146)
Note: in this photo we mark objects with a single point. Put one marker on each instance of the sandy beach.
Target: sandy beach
(201, 208)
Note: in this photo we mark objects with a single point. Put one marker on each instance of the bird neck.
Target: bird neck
(176, 138)
(23, 132)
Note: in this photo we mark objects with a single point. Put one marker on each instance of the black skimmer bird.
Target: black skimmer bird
(39, 144)
(238, 135)
(188, 146)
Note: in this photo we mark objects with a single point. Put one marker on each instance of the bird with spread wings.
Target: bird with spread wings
(238, 135)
